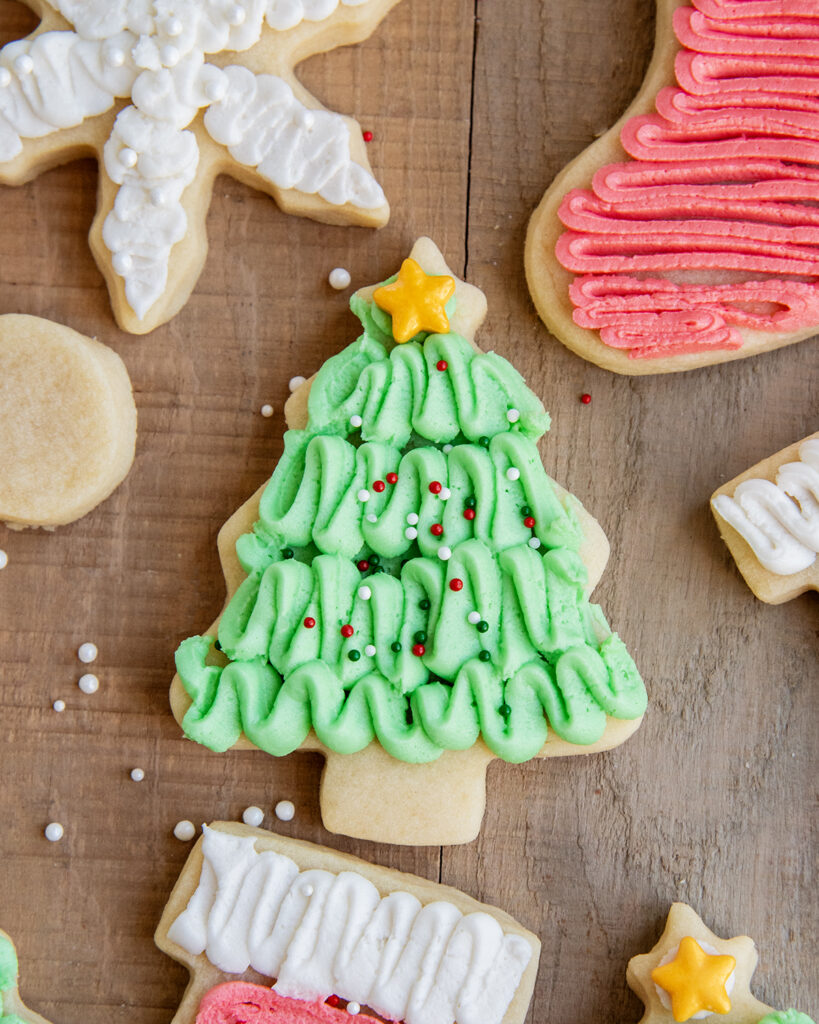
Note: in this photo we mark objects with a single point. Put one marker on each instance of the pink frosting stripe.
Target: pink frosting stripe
(723, 183)
(240, 1002)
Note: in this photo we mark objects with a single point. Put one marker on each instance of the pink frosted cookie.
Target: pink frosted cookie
(239, 1002)
(688, 234)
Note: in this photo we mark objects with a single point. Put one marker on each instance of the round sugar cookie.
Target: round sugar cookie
(67, 422)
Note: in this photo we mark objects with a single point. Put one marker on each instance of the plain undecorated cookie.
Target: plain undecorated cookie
(67, 422)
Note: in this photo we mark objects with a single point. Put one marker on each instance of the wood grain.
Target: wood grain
(713, 800)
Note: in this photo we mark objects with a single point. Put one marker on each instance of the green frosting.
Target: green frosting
(541, 655)
(8, 964)
(786, 1017)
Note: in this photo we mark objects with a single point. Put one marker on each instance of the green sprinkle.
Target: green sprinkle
(525, 511)
(424, 606)
(483, 626)
(354, 655)
(287, 552)
(470, 503)
(484, 656)
(395, 646)
(378, 568)
(505, 710)
(483, 442)
(420, 637)
(374, 560)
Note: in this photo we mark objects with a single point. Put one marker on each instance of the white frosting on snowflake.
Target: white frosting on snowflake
(153, 52)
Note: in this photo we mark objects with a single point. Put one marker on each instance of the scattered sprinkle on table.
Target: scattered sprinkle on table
(296, 382)
(339, 279)
(367, 136)
(285, 810)
(253, 816)
(267, 410)
(87, 653)
(137, 774)
(4, 559)
(184, 830)
(54, 831)
(585, 398)
(88, 683)
(59, 705)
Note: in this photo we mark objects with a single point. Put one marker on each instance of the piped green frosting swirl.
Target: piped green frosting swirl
(536, 654)
(786, 1017)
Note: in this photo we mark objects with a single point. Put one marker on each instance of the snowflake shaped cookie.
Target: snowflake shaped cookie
(169, 94)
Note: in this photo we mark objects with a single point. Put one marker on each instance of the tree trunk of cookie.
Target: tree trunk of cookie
(373, 796)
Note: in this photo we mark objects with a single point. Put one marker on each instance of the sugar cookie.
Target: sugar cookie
(686, 235)
(769, 518)
(67, 422)
(12, 1008)
(691, 973)
(412, 600)
(335, 930)
(168, 96)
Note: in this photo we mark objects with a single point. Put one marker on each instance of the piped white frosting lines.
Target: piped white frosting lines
(265, 126)
(320, 933)
(779, 521)
(284, 14)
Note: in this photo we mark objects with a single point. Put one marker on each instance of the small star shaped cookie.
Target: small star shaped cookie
(691, 973)
(416, 301)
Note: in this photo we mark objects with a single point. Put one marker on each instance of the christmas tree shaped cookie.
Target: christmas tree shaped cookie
(12, 1008)
(409, 592)
(692, 974)
(687, 234)
(168, 94)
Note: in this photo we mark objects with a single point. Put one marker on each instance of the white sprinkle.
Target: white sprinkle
(174, 27)
(363, 494)
(88, 683)
(87, 652)
(473, 618)
(296, 382)
(128, 157)
(513, 473)
(353, 1008)
(169, 55)
(369, 650)
(158, 196)
(365, 593)
(412, 518)
(122, 263)
(306, 119)
(24, 65)
(59, 705)
(447, 449)
(237, 15)
(356, 421)
(410, 533)
(308, 890)
(4, 559)
(534, 542)
(253, 816)
(513, 415)
(285, 810)
(184, 830)
(137, 774)
(339, 279)
(115, 57)
(266, 410)
(5, 77)
(445, 494)
(216, 89)
(371, 517)
(54, 831)
(444, 553)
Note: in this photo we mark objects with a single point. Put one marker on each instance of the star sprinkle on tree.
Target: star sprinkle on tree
(200, 102)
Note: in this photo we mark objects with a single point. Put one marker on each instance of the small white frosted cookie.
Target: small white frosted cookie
(167, 97)
(67, 422)
(337, 934)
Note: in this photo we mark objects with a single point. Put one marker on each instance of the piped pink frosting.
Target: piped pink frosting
(713, 224)
(240, 1002)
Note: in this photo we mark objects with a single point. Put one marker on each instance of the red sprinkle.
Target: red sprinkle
(332, 1000)
(368, 137)
(456, 584)
(469, 513)
(392, 478)
(585, 398)
(419, 650)
(436, 529)
(529, 522)
(442, 365)
(347, 631)
(363, 565)
(435, 487)
(379, 486)
(309, 622)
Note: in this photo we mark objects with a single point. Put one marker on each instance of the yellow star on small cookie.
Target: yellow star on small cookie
(416, 301)
(692, 977)
(695, 980)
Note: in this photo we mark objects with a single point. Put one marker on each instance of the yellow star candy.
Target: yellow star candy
(695, 980)
(416, 301)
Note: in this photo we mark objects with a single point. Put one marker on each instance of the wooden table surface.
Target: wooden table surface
(475, 105)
